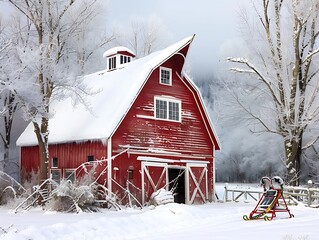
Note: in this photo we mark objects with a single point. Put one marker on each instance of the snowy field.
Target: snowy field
(173, 221)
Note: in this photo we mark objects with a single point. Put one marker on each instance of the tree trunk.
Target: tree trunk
(42, 136)
(293, 155)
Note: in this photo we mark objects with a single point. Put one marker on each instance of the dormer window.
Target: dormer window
(118, 56)
(124, 59)
(165, 76)
(112, 63)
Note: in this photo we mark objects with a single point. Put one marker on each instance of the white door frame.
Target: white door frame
(144, 167)
(203, 177)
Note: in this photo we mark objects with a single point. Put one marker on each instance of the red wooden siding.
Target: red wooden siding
(139, 128)
(29, 161)
(70, 156)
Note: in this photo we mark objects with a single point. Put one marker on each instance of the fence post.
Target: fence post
(226, 192)
(309, 198)
(309, 193)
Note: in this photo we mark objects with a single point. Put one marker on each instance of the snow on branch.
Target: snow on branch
(253, 69)
(308, 145)
(237, 60)
(310, 55)
(240, 70)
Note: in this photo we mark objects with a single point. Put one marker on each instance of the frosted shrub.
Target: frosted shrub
(70, 197)
(9, 188)
(7, 195)
(32, 179)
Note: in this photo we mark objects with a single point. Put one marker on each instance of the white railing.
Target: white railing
(306, 195)
(235, 194)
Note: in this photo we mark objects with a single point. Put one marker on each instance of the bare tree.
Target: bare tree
(145, 36)
(7, 100)
(47, 66)
(284, 71)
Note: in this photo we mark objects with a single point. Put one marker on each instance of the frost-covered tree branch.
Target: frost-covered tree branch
(286, 62)
(46, 57)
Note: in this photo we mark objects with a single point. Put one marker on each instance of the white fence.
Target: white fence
(306, 195)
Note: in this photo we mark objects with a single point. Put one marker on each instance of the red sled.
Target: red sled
(268, 205)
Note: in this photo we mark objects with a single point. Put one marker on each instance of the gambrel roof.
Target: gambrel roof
(116, 92)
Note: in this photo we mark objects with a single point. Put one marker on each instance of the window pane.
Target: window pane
(69, 175)
(56, 175)
(54, 163)
(114, 62)
(121, 59)
(161, 109)
(173, 111)
(90, 158)
(165, 76)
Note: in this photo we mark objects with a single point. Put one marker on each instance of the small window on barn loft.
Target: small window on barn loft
(168, 109)
(90, 158)
(165, 76)
(54, 162)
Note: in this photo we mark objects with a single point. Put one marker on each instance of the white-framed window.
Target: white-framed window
(112, 63)
(124, 59)
(165, 76)
(56, 175)
(167, 109)
(69, 174)
(54, 162)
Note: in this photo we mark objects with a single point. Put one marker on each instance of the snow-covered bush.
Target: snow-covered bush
(161, 197)
(70, 197)
(9, 188)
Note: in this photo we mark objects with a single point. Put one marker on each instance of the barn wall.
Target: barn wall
(70, 156)
(29, 161)
(139, 128)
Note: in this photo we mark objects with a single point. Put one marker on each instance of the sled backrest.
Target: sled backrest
(266, 183)
(277, 183)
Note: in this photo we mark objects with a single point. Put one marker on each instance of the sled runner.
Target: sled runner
(268, 205)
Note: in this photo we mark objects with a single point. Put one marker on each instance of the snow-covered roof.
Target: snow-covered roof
(116, 50)
(117, 91)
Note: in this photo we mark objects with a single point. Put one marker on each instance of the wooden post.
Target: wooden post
(226, 192)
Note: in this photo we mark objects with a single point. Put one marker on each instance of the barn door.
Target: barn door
(154, 177)
(176, 179)
(196, 180)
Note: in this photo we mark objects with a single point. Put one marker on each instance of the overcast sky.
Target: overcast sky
(215, 23)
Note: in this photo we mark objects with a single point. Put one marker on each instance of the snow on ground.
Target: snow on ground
(172, 221)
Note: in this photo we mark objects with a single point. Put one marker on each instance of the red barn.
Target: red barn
(148, 121)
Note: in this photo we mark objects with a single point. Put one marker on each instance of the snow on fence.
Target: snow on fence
(307, 195)
(242, 192)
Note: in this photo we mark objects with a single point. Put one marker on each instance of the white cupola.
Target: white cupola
(117, 56)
